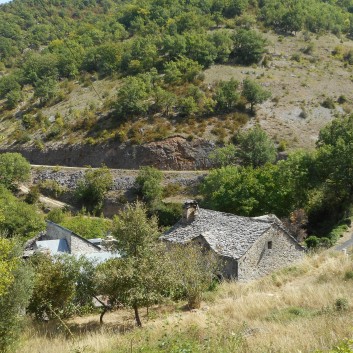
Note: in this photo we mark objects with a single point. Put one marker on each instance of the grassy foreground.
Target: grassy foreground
(303, 308)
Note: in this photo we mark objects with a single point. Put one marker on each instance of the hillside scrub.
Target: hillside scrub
(290, 310)
(43, 59)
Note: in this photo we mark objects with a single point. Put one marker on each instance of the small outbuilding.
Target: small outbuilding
(58, 240)
(249, 247)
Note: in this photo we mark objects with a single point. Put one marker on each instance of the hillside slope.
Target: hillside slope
(79, 73)
(303, 308)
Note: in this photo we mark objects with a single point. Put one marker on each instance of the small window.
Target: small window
(269, 245)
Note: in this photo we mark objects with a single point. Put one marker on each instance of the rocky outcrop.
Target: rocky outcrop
(173, 153)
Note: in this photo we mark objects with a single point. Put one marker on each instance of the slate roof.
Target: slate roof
(227, 234)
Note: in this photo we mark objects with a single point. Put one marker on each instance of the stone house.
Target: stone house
(58, 240)
(249, 247)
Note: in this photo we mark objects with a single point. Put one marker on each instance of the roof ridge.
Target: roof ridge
(73, 233)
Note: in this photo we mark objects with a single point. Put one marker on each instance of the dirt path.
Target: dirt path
(120, 170)
(46, 200)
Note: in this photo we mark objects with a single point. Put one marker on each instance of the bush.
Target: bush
(312, 242)
(33, 196)
(303, 114)
(14, 299)
(149, 184)
(282, 146)
(168, 214)
(342, 99)
(255, 147)
(341, 304)
(12, 99)
(14, 169)
(20, 218)
(348, 275)
(172, 189)
(87, 227)
(296, 57)
(51, 188)
(328, 103)
(56, 215)
(315, 242)
(91, 190)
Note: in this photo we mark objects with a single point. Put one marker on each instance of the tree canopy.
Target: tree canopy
(13, 169)
(15, 290)
(92, 188)
(255, 147)
(140, 277)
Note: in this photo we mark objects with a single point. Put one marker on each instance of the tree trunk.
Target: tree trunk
(105, 309)
(137, 316)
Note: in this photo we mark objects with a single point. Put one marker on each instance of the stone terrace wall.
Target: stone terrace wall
(260, 261)
(122, 179)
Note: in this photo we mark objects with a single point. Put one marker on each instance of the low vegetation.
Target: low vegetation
(305, 307)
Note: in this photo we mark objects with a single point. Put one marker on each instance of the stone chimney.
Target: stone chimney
(190, 211)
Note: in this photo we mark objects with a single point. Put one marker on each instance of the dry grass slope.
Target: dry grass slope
(300, 309)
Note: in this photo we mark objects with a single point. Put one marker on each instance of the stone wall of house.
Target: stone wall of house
(228, 266)
(76, 244)
(261, 260)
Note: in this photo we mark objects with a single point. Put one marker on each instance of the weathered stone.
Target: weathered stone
(249, 247)
(173, 153)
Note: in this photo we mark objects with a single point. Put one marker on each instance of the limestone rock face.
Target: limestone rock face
(173, 153)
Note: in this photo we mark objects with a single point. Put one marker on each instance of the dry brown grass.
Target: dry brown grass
(292, 310)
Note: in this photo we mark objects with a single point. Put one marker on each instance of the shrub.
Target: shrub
(348, 275)
(51, 188)
(312, 241)
(168, 214)
(309, 49)
(149, 184)
(341, 304)
(87, 227)
(14, 169)
(15, 297)
(56, 215)
(349, 57)
(194, 271)
(91, 190)
(296, 57)
(328, 103)
(342, 99)
(282, 146)
(172, 189)
(303, 114)
(33, 196)
(12, 99)
(20, 218)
